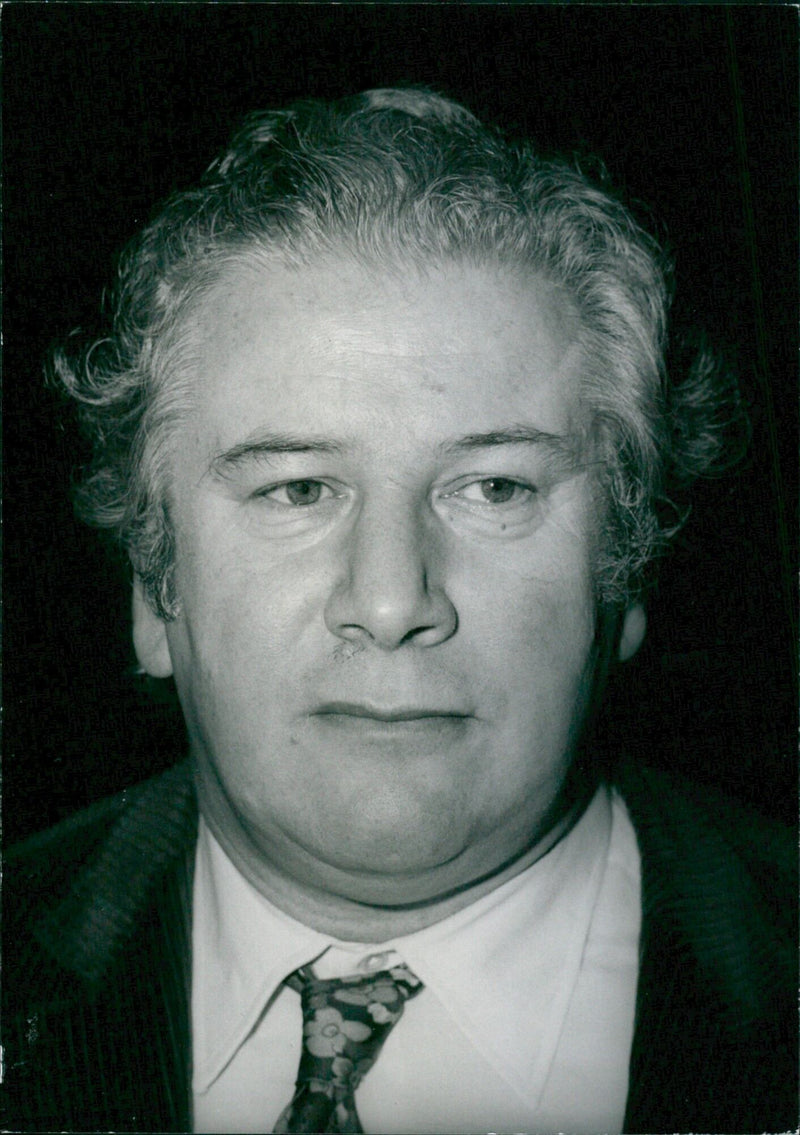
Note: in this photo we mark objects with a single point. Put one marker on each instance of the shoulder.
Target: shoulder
(42, 863)
(719, 879)
(70, 892)
(685, 822)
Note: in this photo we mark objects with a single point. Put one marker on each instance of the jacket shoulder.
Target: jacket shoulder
(723, 878)
(71, 891)
(672, 812)
(36, 869)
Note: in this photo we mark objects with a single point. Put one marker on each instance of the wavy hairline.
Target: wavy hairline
(132, 502)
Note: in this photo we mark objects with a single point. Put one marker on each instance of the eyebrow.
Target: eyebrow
(557, 444)
(266, 446)
(269, 445)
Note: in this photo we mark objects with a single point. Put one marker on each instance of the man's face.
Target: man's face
(384, 533)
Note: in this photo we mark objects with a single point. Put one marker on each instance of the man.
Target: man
(382, 425)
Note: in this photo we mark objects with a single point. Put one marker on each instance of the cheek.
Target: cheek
(236, 592)
(536, 646)
(534, 602)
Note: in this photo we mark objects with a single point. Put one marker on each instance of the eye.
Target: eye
(296, 494)
(495, 491)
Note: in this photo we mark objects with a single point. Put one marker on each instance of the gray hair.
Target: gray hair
(396, 177)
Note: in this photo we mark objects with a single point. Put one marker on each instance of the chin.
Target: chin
(372, 842)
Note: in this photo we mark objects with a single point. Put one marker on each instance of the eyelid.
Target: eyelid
(267, 492)
(458, 490)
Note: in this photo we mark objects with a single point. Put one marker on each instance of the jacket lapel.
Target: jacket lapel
(120, 956)
(712, 1048)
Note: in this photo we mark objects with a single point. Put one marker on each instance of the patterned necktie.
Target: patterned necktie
(345, 1022)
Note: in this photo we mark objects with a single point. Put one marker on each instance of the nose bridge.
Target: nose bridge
(390, 588)
(390, 544)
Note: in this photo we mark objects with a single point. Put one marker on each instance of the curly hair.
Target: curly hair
(397, 177)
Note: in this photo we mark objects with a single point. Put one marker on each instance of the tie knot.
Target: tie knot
(345, 1022)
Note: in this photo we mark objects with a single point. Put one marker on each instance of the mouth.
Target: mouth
(399, 715)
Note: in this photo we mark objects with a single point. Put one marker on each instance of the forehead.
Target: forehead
(456, 346)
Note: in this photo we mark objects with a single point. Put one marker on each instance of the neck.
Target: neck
(342, 917)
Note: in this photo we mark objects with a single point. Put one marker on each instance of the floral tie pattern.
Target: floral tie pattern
(345, 1022)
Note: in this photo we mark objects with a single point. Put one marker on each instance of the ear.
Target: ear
(632, 631)
(149, 636)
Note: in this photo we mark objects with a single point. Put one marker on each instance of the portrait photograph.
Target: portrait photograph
(400, 533)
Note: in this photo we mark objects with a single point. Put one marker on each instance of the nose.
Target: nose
(389, 592)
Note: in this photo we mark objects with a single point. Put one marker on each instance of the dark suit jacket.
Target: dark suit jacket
(97, 961)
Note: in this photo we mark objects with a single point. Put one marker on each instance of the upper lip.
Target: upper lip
(379, 713)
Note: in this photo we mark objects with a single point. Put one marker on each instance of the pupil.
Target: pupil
(303, 492)
(498, 490)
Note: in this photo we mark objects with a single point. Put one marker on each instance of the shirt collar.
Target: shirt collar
(243, 948)
(504, 964)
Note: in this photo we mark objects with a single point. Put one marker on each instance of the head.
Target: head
(384, 407)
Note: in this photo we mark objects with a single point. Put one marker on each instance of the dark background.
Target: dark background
(108, 108)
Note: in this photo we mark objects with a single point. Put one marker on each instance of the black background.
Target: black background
(108, 108)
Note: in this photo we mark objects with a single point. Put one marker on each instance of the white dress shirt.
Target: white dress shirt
(525, 1022)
